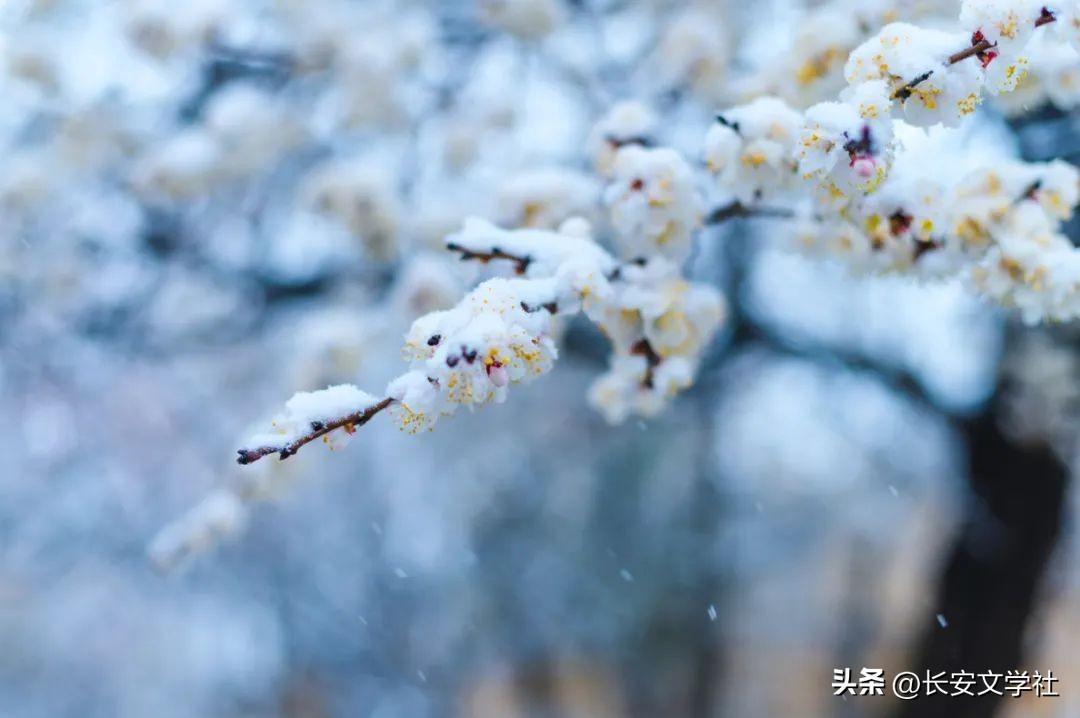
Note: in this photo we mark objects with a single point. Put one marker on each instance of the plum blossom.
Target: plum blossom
(693, 52)
(913, 62)
(905, 224)
(845, 146)
(1008, 26)
(654, 202)
(1054, 79)
(659, 324)
(830, 165)
(750, 149)
(361, 196)
(500, 333)
(1031, 267)
(626, 123)
(545, 198)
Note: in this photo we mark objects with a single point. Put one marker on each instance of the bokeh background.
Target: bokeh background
(207, 206)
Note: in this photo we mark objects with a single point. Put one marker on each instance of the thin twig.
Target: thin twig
(642, 347)
(521, 263)
(350, 423)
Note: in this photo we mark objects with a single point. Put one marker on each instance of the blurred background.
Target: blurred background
(207, 206)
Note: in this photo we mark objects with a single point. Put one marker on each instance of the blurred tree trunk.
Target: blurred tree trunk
(989, 583)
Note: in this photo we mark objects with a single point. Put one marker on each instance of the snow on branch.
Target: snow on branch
(503, 333)
(858, 195)
(982, 47)
(312, 415)
(835, 170)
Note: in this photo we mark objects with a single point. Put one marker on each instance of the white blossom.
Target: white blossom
(1008, 26)
(362, 196)
(626, 123)
(913, 62)
(833, 237)
(222, 513)
(821, 43)
(751, 149)
(905, 223)
(545, 198)
(845, 146)
(693, 51)
(989, 195)
(654, 202)
(659, 324)
(1031, 267)
(1054, 78)
(500, 333)
(1003, 23)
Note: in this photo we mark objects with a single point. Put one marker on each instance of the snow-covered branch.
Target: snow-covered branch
(858, 196)
(836, 172)
(981, 47)
(313, 415)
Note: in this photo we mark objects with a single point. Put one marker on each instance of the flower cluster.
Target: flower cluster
(924, 76)
(817, 44)
(659, 324)
(897, 229)
(1013, 214)
(654, 202)
(751, 149)
(500, 333)
(626, 123)
(1000, 228)
(1031, 267)
(845, 146)
(1054, 79)
(504, 331)
(1006, 26)
(901, 54)
(761, 150)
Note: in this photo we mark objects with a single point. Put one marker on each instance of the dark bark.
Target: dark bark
(995, 568)
(991, 578)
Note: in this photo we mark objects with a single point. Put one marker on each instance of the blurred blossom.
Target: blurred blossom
(209, 206)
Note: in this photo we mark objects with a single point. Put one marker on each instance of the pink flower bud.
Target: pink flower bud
(497, 374)
(863, 167)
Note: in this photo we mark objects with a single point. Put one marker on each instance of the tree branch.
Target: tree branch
(521, 263)
(642, 347)
(988, 588)
(738, 209)
(896, 378)
(977, 48)
(350, 423)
